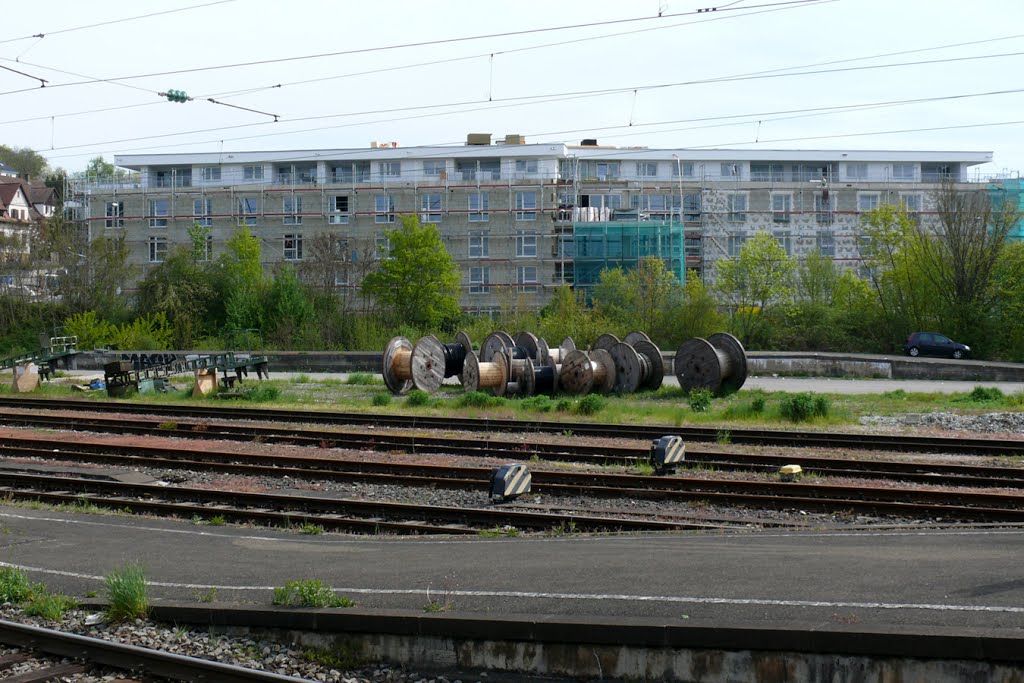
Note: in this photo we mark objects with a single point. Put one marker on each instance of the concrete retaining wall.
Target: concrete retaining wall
(633, 649)
(759, 363)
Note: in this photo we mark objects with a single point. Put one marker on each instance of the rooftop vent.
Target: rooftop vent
(478, 139)
(589, 142)
(515, 140)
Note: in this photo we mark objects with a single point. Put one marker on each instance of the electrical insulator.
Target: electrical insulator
(176, 96)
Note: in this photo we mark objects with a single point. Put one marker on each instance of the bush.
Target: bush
(540, 404)
(14, 585)
(591, 404)
(804, 406)
(700, 399)
(126, 593)
(564, 405)
(309, 593)
(381, 399)
(92, 331)
(985, 394)
(146, 333)
(476, 399)
(417, 398)
(259, 392)
(757, 405)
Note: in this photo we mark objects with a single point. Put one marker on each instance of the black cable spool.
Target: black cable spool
(544, 379)
(454, 359)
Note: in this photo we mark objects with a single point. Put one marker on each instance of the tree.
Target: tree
(98, 167)
(24, 160)
(816, 279)
(958, 259)
(1008, 304)
(241, 282)
(759, 279)
(638, 298)
(180, 289)
(418, 283)
(289, 313)
(696, 314)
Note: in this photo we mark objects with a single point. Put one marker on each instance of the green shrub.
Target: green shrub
(92, 331)
(309, 593)
(757, 405)
(417, 398)
(700, 399)
(381, 399)
(591, 404)
(259, 392)
(300, 379)
(985, 394)
(49, 606)
(539, 404)
(14, 585)
(126, 593)
(804, 406)
(897, 394)
(564, 405)
(475, 399)
(361, 378)
(150, 332)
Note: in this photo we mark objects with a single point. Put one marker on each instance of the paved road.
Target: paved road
(815, 578)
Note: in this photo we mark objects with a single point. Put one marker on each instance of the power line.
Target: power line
(427, 43)
(113, 21)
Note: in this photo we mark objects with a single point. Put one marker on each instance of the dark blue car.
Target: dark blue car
(934, 344)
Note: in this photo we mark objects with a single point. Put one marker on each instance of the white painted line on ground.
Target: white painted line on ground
(520, 595)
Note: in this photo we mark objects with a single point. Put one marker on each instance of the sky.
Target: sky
(751, 74)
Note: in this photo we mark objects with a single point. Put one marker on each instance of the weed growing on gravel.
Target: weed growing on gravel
(699, 399)
(724, 437)
(643, 468)
(49, 606)
(364, 378)
(127, 593)
(216, 520)
(14, 585)
(312, 529)
(168, 425)
(309, 593)
(209, 595)
(381, 400)
(300, 379)
(340, 658)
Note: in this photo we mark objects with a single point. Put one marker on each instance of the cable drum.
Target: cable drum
(718, 363)
(433, 361)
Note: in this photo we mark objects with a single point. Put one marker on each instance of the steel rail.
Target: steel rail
(929, 473)
(131, 657)
(328, 511)
(851, 440)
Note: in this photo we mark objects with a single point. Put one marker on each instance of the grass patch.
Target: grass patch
(309, 593)
(591, 404)
(311, 529)
(341, 658)
(14, 585)
(417, 398)
(209, 595)
(363, 378)
(49, 606)
(477, 399)
(381, 400)
(804, 406)
(127, 594)
(300, 379)
(168, 425)
(537, 404)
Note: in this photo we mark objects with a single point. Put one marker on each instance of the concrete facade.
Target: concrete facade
(507, 211)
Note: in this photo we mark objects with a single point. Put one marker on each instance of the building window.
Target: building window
(782, 207)
(384, 206)
(827, 245)
(211, 174)
(248, 209)
(785, 241)
(526, 244)
(433, 169)
(293, 247)
(479, 280)
(737, 208)
(157, 249)
(174, 177)
(911, 203)
(356, 172)
(526, 278)
(479, 245)
(683, 169)
(903, 171)
(252, 173)
(390, 169)
(858, 171)
(339, 209)
(866, 201)
(646, 169)
(608, 170)
(159, 210)
(526, 166)
(382, 247)
(691, 208)
(736, 243)
(730, 170)
(114, 211)
(291, 207)
(824, 206)
(202, 211)
(526, 206)
(430, 207)
(478, 202)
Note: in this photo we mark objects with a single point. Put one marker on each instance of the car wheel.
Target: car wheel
(958, 354)
(914, 351)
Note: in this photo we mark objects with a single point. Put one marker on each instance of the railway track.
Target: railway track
(917, 472)
(92, 652)
(908, 443)
(374, 516)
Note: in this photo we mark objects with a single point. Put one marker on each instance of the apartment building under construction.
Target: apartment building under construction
(516, 217)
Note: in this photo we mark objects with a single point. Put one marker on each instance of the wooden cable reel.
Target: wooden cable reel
(636, 336)
(605, 342)
(433, 361)
(637, 366)
(493, 343)
(396, 365)
(492, 375)
(718, 363)
(582, 373)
